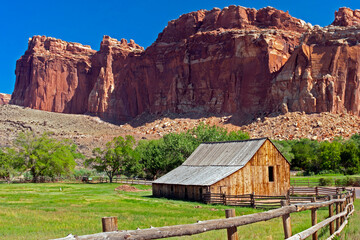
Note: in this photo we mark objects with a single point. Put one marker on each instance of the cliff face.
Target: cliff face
(53, 75)
(234, 60)
(323, 73)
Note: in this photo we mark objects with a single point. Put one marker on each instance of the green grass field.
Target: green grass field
(314, 180)
(45, 211)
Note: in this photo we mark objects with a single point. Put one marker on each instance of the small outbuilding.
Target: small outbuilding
(231, 168)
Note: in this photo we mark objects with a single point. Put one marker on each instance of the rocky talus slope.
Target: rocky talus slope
(235, 61)
(90, 132)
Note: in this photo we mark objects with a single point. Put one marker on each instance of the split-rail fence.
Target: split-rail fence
(294, 195)
(341, 202)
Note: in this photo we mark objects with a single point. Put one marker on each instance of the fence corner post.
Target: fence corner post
(109, 224)
(232, 231)
(286, 220)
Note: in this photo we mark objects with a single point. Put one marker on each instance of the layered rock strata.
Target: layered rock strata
(235, 60)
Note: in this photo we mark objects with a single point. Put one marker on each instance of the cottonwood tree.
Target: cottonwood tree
(45, 156)
(7, 163)
(117, 158)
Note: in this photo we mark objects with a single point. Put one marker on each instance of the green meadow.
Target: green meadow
(54, 210)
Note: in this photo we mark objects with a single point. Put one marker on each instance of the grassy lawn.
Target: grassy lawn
(53, 210)
(314, 180)
(352, 230)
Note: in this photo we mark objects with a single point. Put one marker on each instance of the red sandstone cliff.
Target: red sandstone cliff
(323, 73)
(234, 60)
(53, 75)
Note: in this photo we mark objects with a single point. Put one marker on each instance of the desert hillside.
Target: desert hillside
(89, 132)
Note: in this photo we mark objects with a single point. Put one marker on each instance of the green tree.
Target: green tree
(329, 155)
(118, 157)
(152, 155)
(285, 147)
(206, 133)
(44, 156)
(7, 163)
(305, 155)
(350, 157)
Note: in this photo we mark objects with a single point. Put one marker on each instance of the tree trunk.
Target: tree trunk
(35, 176)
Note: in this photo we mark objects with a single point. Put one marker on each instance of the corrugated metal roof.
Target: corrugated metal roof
(211, 162)
(236, 153)
(197, 175)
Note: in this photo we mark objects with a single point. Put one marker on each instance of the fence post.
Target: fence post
(314, 219)
(331, 213)
(224, 198)
(288, 195)
(286, 220)
(354, 195)
(316, 191)
(337, 212)
(109, 224)
(252, 200)
(342, 208)
(232, 231)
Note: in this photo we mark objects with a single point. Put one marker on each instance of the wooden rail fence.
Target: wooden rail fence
(119, 180)
(344, 208)
(294, 195)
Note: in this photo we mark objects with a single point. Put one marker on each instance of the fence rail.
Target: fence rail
(344, 208)
(124, 180)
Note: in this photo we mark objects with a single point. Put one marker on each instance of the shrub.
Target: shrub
(325, 181)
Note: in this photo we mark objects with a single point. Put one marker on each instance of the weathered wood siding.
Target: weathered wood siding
(193, 193)
(254, 176)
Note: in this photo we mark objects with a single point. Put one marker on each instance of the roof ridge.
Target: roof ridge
(245, 140)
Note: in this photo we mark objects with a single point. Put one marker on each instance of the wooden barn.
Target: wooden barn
(231, 168)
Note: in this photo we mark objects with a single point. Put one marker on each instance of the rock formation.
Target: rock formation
(235, 60)
(4, 98)
(322, 74)
(53, 75)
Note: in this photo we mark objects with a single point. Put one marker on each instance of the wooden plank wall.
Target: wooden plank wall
(254, 176)
(194, 193)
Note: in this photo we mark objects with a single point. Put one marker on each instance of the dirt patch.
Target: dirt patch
(127, 188)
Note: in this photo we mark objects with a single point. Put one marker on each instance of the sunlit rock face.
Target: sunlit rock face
(322, 74)
(235, 60)
(4, 98)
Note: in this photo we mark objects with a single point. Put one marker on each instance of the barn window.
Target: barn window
(172, 188)
(271, 173)
(186, 193)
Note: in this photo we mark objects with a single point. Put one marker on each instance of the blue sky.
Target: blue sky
(87, 21)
